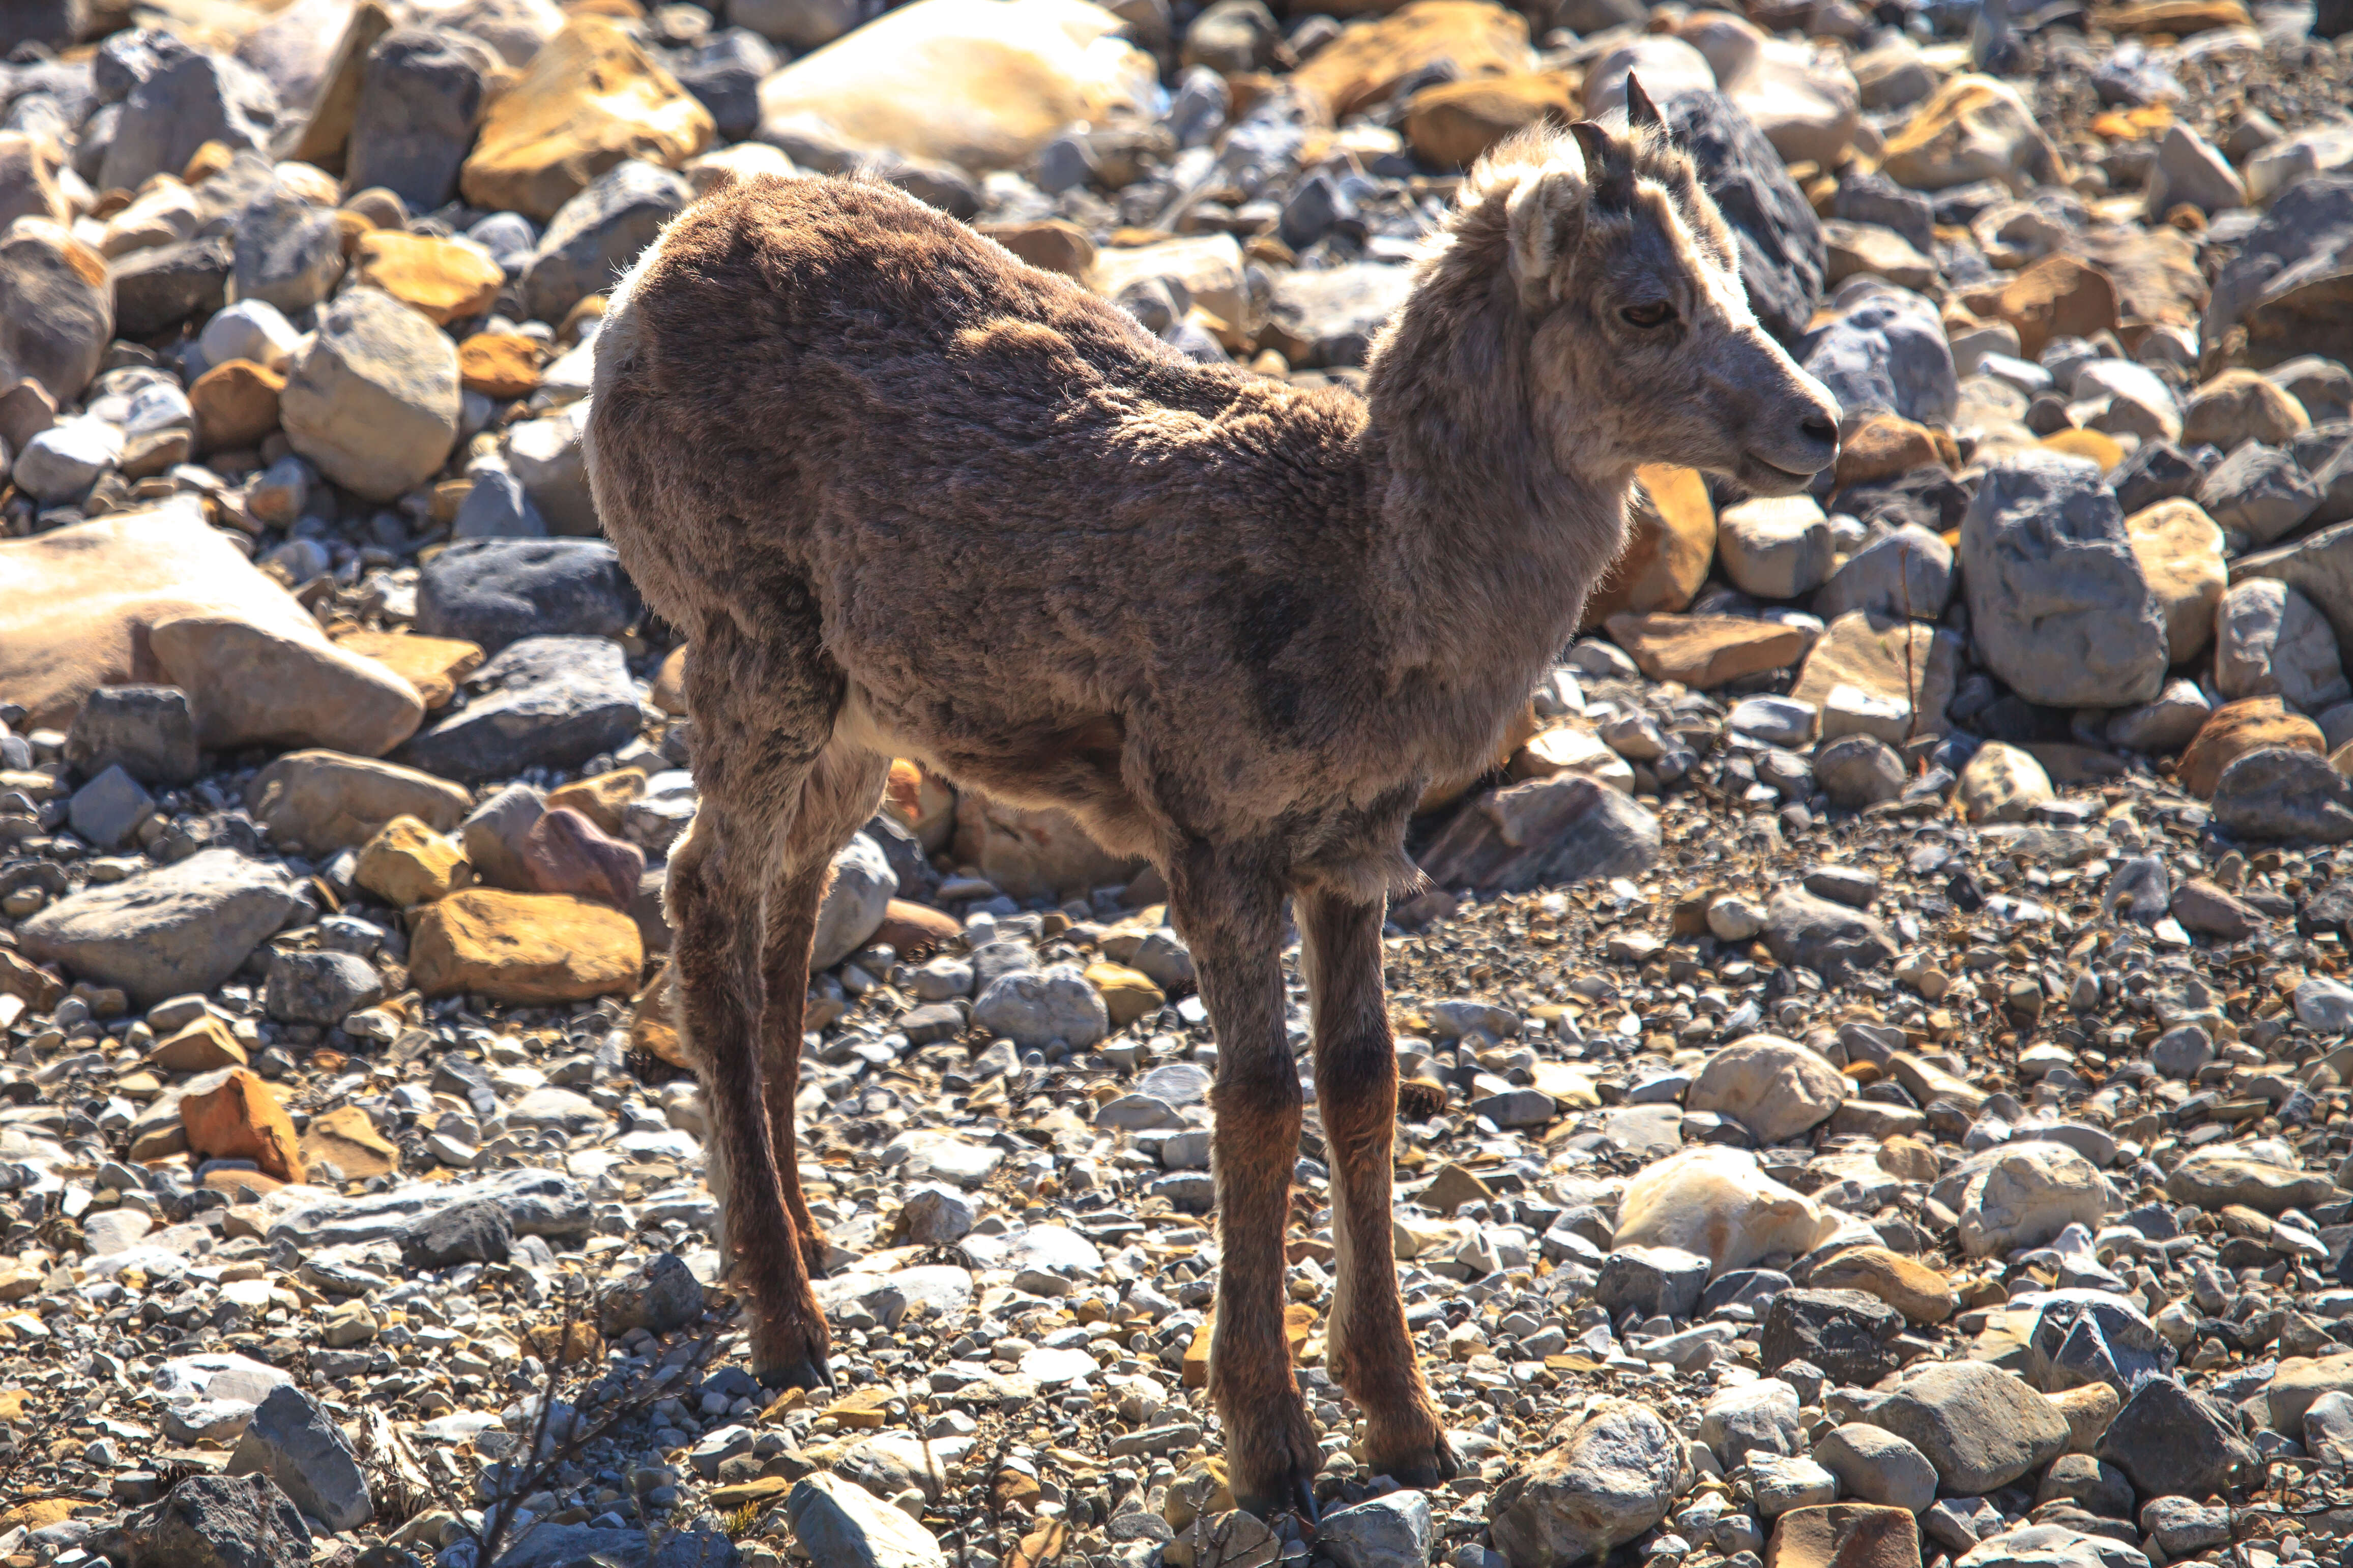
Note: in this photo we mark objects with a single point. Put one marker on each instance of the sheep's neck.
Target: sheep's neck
(1492, 539)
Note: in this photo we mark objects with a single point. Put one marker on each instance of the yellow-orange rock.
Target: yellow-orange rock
(2181, 554)
(1366, 64)
(1884, 446)
(1051, 243)
(653, 1023)
(202, 1046)
(2237, 728)
(1455, 122)
(2180, 18)
(1705, 651)
(432, 665)
(39, 1513)
(242, 1119)
(1972, 128)
(235, 404)
(914, 927)
(500, 366)
(669, 683)
(2058, 297)
(1919, 1292)
(321, 802)
(1127, 993)
(346, 1138)
(591, 98)
(601, 799)
(2096, 444)
(408, 864)
(524, 949)
(447, 280)
(1669, 544)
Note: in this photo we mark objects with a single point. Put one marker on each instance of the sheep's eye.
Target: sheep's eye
(1658, 314)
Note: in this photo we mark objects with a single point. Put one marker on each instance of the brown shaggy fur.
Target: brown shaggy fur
(909, 496)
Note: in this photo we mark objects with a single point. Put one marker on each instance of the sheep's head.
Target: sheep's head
(1629, 278)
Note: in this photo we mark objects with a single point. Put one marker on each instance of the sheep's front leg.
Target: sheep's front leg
(1231, 915)
(1370, 1350)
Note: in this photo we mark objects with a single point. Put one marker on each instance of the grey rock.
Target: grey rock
(219, 1522)
(63, 461)
(421, 95)
(2158, 471)
(58, 317)
(110, 809)
(1329, 318)
(2096, 1488)
(2059, 606)
(1823, 935)
(157, 288)
(373, 400)
(194, 99)
(1609, 1476)
(2179, 1053)
(564, 1545)
(2329, 1428)
(2319, 566)
(595, 236)
(1750, 1418)
(55, 22)
(1876, 1466)
(497, 507)
(2305, 232)
(476, 1232)
(535, 1203)
(1875, 198)
(855, 902)
(1887, 352)
(724, 71)
(1857, 770)
(1981, 1427)
(657, 1296)
(2174, 1443)
(2183, 1526)
(545, 701)
(1233, 36)
(2282, 793)
(1849, 1334)
(1783, 257)
(839, 1522)
(938, 1215)
(1035, 1007)
(289, 253)
(1547, 832)
(1392, 1531)
(128, 58)
(2083, 1337)
(2165, 724)
(2259, 490)
(323, 988)
(495, 833)
(166, 933)
(146, 730)
(495, 591)
(1906, 572)
(1651, 1280)
(2269, 641)
(299, 1446)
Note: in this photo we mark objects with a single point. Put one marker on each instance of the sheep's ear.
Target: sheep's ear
(1640, 109)
(1609, 163)
(1544, 214)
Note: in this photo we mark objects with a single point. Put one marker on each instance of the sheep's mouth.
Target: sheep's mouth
(1770, 479)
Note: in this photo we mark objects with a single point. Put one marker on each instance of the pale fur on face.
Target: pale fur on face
(1586, 225)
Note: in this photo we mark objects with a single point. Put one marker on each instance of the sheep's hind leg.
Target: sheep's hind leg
(1370, 1350)
(839, 795)
(762, 715)
(1232, 916)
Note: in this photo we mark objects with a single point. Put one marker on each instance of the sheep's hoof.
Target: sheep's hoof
(808, 1371)
(1420, 1469)
(1294, 1493)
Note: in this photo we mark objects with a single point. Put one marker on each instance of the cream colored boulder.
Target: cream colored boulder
(2027, 1195)
(1775, 1087)
(1807, 104)
(162, 597)
(980, 83)
(2180, 552)
(1718, 1203)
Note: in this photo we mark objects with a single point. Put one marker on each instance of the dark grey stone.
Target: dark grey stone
(467, 1233)
(1826, 937)
(323, 988)
(498, 507)
(219, 1522)
(2158, 471)
(157, 288)
(192, 99)
(2174, 1443)
(594, 236)
(298, 1444)
(2282, 793)
(1783, 258)
(493, 590)
(660, 1295)
(1886, 352)
(419, 97)
(147, 731)
(2259, 490)
(128, 58)
(1850, 1334)
(110, 809)
(552, 701)
(1651, 1280)
(724, 71)
(289, 253)
(1546, 832)
(1875, 198)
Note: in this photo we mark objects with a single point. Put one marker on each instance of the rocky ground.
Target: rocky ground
(1882, 1026)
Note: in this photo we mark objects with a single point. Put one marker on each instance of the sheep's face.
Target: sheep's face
(1645, 345)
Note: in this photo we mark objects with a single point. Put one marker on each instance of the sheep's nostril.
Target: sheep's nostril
(1820, 428)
